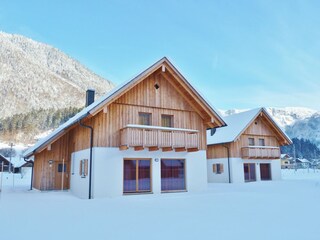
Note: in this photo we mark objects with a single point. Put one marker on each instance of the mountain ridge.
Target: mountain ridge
(35, 75)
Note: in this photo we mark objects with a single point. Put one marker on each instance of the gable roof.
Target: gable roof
(238, 123)
(2, 158)
(115, 93)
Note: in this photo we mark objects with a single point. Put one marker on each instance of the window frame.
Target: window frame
(137, 177)
(185, 176)
(218, 168)
(83, 168)
(171, 117)
(251, 143)
(140, 114)
(263, 141)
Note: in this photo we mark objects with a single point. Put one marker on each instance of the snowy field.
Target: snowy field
(284, 210)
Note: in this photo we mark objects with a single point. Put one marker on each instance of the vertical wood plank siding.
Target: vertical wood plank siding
(144, 97)
(258, 129)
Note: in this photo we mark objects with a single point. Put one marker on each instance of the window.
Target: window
(261, 142)
(136, 176)
(251, 141)
(61, 167)
(173, 175)
(144, 118)
(167, 120)
(217, 168)
(83, 169)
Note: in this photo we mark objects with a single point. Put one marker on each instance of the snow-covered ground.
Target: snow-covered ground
(287, 209)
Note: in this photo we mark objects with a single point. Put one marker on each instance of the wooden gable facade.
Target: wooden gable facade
(261, 139)
(158, 92)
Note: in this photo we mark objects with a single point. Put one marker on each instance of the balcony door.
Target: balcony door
(249, 172)
(173, 175)
(265, 171)
(136, 176)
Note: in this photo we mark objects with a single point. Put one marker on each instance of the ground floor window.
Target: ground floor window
(249, 172)
(137, 175)
(217, 168)
(265, 171)
(173, 175)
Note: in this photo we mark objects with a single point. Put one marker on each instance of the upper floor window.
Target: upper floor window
(166, 120)
(251, 141)
(144, 118)
(261, 142)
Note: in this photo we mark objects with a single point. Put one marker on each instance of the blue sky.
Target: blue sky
(239, 54)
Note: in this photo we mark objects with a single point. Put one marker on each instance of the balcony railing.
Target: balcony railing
(260, 152)
(154, 138)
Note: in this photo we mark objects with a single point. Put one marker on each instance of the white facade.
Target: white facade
(107, 174)
(237, 169)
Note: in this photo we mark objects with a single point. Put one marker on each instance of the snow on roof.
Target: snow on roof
(236, 123)
(303, 160)
(102, 100)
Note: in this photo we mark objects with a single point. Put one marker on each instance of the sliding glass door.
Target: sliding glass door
(137, 176)
(173, 175)
(249, 172)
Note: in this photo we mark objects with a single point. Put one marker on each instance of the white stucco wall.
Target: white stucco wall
(107, 178)
(214, 177)
(237, 172)
(79, 186)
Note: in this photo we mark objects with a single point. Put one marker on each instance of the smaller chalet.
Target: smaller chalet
(248, 149)
(286, 161)
(5, 163)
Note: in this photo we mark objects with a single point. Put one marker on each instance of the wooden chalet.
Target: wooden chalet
(248, 149)
(148, 133)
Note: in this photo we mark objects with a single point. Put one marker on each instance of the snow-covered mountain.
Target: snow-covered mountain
(35, 75)
(295, 121)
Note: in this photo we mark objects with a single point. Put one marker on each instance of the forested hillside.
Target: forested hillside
(25, 126)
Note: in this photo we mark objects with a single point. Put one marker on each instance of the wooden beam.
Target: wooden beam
(153, 149)
(193, 149)
(167, 149)
(105, 109)
(138, 148)
(122, 148)
(180, 149)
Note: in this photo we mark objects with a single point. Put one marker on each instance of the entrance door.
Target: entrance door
(62, 176)
(136, 176)
(265, 171)
(249, 172)
(48, 176)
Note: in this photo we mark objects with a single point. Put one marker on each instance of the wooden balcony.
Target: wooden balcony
(260, 152)
(152, 137)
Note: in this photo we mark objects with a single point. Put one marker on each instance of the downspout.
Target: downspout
(31, 171)
(90, 159)
(228, 154)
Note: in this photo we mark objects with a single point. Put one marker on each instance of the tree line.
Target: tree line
(303, 148)
(27, 125)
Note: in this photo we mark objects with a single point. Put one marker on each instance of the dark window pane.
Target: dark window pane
(144, 118)
(144, 182)
(261, 142)
(172, 175)
(166, 120)
(252, 172)
(249, 172)
(129, 181)
(251, 141)
(60, 167)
